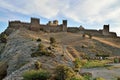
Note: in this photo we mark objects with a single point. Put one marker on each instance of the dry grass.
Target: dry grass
(96, 63)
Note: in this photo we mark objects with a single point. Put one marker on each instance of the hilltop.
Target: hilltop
(16, 52)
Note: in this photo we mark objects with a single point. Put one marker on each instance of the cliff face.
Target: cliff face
(15, 57)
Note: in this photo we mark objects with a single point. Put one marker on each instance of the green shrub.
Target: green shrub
(96, 63)
(64, 73)
(38, 65)
(3, 38)
(87, 76)
(116, 60)
(36, 75)
(38, 40)
(40, 47)
(41, 53)
(52, 40)
(77, 63)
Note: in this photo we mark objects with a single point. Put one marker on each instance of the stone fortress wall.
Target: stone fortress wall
(35, 25)
(102, 32)
(54, 26)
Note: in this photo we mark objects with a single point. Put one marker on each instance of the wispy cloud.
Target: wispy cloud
(89, 12)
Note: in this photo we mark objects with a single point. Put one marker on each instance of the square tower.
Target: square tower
(106, 29)
(35, 26)
(64, 25)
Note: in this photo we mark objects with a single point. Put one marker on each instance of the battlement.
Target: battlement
(54, 26)
(15, 23)
(106, 29)
(35, 25)
(54, 23)
(35, 21)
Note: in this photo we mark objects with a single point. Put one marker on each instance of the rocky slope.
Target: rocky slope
(15, 57)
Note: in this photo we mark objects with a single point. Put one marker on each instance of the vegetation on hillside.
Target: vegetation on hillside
(3, 38)
(41, 51)
(36, 75)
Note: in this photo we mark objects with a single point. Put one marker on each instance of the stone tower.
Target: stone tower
(106, 30)
(64, 25)
(35, 25)
(55, 22)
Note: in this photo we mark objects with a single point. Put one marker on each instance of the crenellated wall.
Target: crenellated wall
(53, 26)
(103, 32)
(35, 25)
(15, 24)
(106, 30)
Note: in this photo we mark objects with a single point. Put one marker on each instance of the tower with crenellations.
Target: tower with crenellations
(54, 26)
(106, 30)
(35, 25)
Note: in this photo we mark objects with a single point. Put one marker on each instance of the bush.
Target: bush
(40, 47)
(78, 77)
(41, 51)
(38, 40)
(52, 40)
(3, 38)
(36, 75)
(64, 73)
(77, 63)
(87, 75)
(96, 63)
(116, 60)
(38, 65)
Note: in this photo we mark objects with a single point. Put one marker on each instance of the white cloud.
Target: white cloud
(82, 11)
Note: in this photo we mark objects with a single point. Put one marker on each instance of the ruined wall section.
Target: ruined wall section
(73, 29)
(112, 34)
(49, 28)
(92, 32)
(15, 24)
(25, 25)
(35, 25)
(18, 24)
(85, 31)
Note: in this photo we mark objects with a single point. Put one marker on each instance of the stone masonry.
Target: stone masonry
(35, 25)
(54, 26)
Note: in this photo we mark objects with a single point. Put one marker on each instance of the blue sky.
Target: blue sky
(92, 14)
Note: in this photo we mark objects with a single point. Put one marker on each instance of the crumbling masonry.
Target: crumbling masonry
(54, 26)
(35, 25)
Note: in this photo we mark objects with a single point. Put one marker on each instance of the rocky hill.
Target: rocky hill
(16, 55)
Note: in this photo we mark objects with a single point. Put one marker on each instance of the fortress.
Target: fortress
(54, 26)
(35, 25)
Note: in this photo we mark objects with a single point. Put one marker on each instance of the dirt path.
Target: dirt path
(106, 42)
